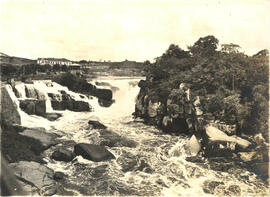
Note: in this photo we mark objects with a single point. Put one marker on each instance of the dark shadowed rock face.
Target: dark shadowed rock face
(96, 125)
(103, 94)
(93, 152)
(37, 107)
(63, 155)
(36, 177)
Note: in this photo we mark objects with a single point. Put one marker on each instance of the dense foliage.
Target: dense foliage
(234, 85)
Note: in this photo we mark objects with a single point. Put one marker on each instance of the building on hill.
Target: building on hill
(54, 61)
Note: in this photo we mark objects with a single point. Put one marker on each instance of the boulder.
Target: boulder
(80, 106)
(152, 108)
(174, 125)
(218, 143)
(193, 145)
(96, 125)
(63, 155)
(9, 106)
(46, 139)
(104, 94)
(58, 176)
(105, 103)
(93, 152)
(52, 116)
(31, 106)
(36, 177)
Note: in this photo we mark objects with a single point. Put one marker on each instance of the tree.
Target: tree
(204, 47)
(230, 48)
(56, 67)
(64, 68)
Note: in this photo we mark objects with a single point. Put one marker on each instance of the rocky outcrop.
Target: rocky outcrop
(93, 152)
(65, 101)
(31, 106)
(36, 178)
(218, 143)
(46, 139)
(9, 106)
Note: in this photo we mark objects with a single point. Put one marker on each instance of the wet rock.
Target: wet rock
(210, 186)
(36, 176)
(9, 106)
(193, 145)
(104, 94)
(218, 143)
(80, 106)
(152, 108)
(93, 152)
(63, 155)
(174, 125)
(52, 116)
(46, 139)
(233, 190)
(58, 176)
(37, 107)
(112, 139)
(105, 103)
(96, 125)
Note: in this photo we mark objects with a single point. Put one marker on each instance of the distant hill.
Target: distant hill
(17, 61)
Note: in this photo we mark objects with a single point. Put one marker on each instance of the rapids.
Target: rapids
(159, 165)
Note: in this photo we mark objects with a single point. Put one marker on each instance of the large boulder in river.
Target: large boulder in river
(218, 143)
(9, 106)
(93, 152)
(37, 178)
(104, 94)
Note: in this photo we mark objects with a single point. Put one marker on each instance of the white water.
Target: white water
(167, 172)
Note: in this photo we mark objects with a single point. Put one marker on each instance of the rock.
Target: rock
(63, 155)
(9, 106)
(93, 152)
(258, 138)
(142, 84)
(104, 94)
(10, 186)
(96, 125)
(30, 91)
(233, 190)
(35, 175)
(152, 109)
(210, 186)
(247, 156)
(46, 139)
(112, 139)
(52, 116)
(174, 125)
(261, 168)
(105, 103)
(36, 107)
(58, 176)
(80, 106)
(218, 143)
(193, 145)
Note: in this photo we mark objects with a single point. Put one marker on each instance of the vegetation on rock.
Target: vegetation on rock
(233, 87)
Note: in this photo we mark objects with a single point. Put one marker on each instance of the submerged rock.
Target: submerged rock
(36, 177)
(52, 116)
(96, 125)
(93, 152)
(63, 155)
(58, 176)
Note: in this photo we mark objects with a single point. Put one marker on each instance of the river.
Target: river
(158, 163)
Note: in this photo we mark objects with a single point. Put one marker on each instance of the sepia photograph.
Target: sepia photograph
(134, 97)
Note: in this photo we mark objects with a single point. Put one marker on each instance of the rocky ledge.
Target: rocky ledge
(184, 112)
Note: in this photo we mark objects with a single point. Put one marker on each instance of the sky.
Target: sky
(136, 30)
